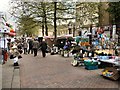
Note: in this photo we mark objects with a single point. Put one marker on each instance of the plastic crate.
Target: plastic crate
(90, 63)
(114, 76)
(91, 67)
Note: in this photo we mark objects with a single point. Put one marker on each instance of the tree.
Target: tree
(28, 26)
(114, 10)
(26, 23)
(43, 12)
(63, 11)
(87, 12)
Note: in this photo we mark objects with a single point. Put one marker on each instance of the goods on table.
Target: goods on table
(107, 73)
(84, 42)
(105, 51)
(111, 72)
(108, 61)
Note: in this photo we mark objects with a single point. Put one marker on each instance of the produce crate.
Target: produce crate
(90, 63)
(114, 76)
(91, 67)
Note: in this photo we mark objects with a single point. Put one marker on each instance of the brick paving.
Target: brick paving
(7, 74)
(55, 71)
(10, 76)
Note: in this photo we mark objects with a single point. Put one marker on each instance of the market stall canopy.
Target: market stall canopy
(66, 37)
(45, 37)
(12, 34)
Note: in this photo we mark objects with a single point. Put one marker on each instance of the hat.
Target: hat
(14, 47)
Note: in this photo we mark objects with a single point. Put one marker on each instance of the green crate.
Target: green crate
(90, 63)
(91, 67)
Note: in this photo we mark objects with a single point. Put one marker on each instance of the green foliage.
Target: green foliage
(87, 11)
(42, 13)
(28, 26)
(114, 10)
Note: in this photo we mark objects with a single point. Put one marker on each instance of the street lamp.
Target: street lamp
(70, 27)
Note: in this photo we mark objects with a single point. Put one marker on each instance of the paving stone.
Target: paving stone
(55, 71)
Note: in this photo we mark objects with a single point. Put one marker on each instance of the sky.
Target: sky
(4, 5)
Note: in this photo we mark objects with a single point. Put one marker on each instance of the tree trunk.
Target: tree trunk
(43, 27)
(45, 19)
(55, 26)
(46, 28)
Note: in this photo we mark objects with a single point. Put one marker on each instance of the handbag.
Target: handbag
(12, 56)
(20, 51)
(47, 51)
(19, 57)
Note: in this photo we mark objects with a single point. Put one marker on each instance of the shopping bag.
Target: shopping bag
(47, 51)
(12, 56)
(19, 57)
(20, 51)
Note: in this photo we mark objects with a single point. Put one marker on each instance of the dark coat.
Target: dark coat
(43, 46)
(30, 43)
(35, 44)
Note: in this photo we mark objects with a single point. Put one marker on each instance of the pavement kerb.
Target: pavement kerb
(16, 78)
(10, 75)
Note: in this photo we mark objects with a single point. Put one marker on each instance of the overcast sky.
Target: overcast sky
(4, 5)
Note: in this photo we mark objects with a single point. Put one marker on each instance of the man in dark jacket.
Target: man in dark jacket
(43, 48)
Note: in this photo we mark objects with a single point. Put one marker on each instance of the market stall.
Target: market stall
(64, 44)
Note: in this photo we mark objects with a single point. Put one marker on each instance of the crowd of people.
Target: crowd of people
(25, 46)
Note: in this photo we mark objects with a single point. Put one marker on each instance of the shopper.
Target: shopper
(35, 47)
(25, 46)
(43, 48)
(30, 42)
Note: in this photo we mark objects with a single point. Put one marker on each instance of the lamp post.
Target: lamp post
(70, 28)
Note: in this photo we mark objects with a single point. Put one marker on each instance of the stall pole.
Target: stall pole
(90, 37)
(4, 48)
